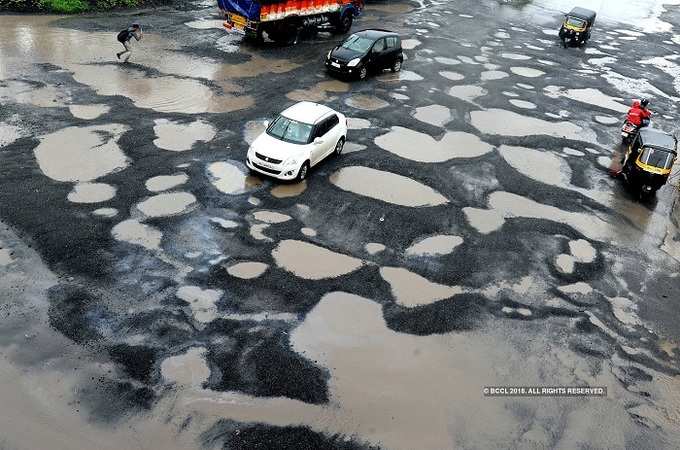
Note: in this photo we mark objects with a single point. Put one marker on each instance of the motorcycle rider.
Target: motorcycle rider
(638, 114)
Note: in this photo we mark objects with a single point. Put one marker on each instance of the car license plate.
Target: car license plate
(334, 64)
(266, 165)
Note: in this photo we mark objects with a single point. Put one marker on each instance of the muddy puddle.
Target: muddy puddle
(137, 233)
(162, 183)
(312, 262)
(271, 217)
(468, 93)
(91, 193)
(247, 270)
(81, 154)
(492, 75)
(201, 301)
(434, 245)
(453, 76)
(288, 190)
(508, 123)
(179, 137)
(411, 290)
(167, 204)
(320, 92)
(88, 112)
(416, 146)
(589, 96)
(229, 179)
(366, 102)
(386, 186)
(436, 115)
(45, 96)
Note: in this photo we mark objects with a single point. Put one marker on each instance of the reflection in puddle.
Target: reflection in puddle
(88, 112)
(312, 262)
(247, 270)
(422, 147)
(165, 182)
(435, 245)
(386, 186)
(81, 154)
(91, 193)
(229, 179)
(167, 204)
(179, 137)
(508, 123)
(134, 232)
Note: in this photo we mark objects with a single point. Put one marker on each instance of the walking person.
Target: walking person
(124, 37)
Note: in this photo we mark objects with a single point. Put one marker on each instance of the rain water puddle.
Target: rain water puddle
(508, 123)
(229, 179)
(386, 186)
(312, 262)
(88, 112)
(134, 232)
(164, 182)
(179, 137)
(435, 245)
(416, 146)
(366, 102)
(247, 270)
(436, 115)
(467, 93)
(91, 193)
(167, 204)
(527, 72)
(411, 290)
(289, 190)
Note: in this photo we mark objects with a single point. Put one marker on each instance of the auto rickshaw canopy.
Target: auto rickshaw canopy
(585, 14)
(649, 137)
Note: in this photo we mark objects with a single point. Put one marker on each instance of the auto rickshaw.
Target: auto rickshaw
(577, 26)
(649, 160)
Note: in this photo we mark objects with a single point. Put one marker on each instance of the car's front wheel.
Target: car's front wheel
(396, 66)
(339, 146)
(302, 173)
(363, 73)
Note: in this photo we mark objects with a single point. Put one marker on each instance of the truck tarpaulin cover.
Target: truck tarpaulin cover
(264, 10)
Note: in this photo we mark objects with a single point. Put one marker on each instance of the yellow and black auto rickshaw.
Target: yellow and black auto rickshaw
(577, 26)
(649, 160)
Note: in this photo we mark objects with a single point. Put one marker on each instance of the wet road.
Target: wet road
(155, 295)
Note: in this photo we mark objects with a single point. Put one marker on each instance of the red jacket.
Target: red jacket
(637, 114)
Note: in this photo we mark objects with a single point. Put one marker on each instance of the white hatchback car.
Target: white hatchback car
(298, 139)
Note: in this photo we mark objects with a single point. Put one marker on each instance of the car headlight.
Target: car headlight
(290, 161)
(354, 62)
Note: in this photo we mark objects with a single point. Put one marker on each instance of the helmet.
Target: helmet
(644, 102)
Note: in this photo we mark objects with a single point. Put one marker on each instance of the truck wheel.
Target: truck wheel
(344, 24)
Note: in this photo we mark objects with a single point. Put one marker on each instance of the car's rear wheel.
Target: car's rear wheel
(396, 66)
(339, 146)
(302, 173)
(363, 73)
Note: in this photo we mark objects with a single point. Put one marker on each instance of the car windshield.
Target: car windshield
(290, 130)
(657, 158)
(357, 43)
(575, 22)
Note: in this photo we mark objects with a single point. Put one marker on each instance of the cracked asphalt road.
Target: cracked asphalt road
(156, 295)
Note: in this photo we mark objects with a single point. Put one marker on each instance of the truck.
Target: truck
(284, 20)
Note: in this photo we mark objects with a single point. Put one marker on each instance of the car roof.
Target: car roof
(307, 112)
(659, 139)
(583, 13)
(375, 33)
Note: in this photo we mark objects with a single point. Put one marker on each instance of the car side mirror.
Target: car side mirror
(266, 124)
